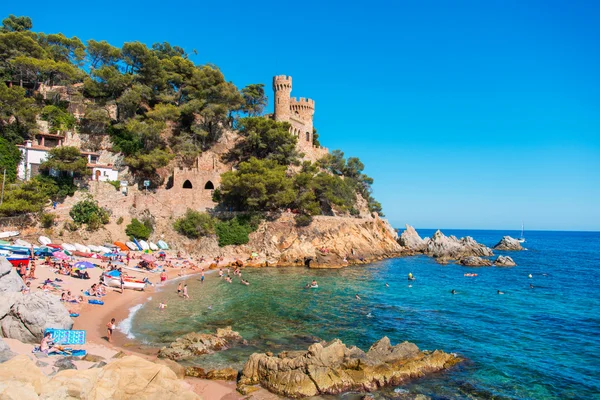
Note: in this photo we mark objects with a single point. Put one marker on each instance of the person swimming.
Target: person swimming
(387, 284)
(357, 296)
(499, 292)
(530, 276)
(162, 306)
(411, 277)
(453, 291)
(530, 286)
(369, 315)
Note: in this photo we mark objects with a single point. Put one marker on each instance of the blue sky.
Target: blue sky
(468, 114)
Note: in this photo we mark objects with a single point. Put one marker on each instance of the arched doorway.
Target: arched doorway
(209, 186)
(187, 184)
(98, 173)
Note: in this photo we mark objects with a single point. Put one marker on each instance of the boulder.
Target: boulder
(10, 281)
(225, 374)
(25, 317)
(504, 261)
(23, 370)
(508, 243)
(451, 248)
(64, 363)
(5, 352)
(333, 368)
(195, 344)
(411, 240)
(473, 261)
(173, 366)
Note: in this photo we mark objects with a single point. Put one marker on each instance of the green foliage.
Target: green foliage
(138, 230)
(58, 118)
(95, 121)
(195, 224)
(266, 139)
(255, 99)
(47, 220)
(234, 231)
(257, 185)
(67, 161)
(119, 220)
(10, 156)
(102, 54)
(16, 24)
(316, 138)
(89, 212)
(14, 105)
(303, 220)
(26, 197)
(116, 184)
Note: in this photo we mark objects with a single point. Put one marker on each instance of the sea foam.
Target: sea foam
(125, 325)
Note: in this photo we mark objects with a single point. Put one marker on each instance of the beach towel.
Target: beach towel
(67, 337)
(68, 352)
(94, 301)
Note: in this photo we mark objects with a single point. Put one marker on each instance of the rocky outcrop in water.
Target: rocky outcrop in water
(130, 377)
(473, 261)
(451, 248)
(25, 317)
(10, 281)
(411, 240)
(332, 368)
(508, 243)
(504, 261)
(196, 344)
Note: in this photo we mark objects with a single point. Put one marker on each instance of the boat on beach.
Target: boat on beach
(68, 247)
(81, 248)
(131, 246)
(163, 245)
(144, 244)
(153, 246)
(128, 283)
(21, 242)
(18, 259)
(44, 241)
(8, 234)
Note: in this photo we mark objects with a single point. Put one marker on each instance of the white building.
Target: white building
(35, 154)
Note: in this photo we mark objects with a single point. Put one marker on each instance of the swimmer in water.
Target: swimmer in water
(409, 285)
(453, 291)
(357, 297)
(499, 292)
(210, 307)
(162, 306)
(530, 286)
(369, 315)
(531, 276)
(387, 284)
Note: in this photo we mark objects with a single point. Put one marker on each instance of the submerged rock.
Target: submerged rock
(508, 243)
(332, 368)
(504, 261)
(473, 261)
(196, 344)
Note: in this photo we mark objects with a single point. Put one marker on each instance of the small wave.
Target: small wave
(125, 325)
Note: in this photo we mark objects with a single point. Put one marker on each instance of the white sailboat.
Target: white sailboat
(522, 238)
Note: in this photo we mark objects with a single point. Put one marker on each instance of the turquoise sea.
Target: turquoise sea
(530, 343)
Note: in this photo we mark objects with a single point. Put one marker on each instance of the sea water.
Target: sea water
(530, 343)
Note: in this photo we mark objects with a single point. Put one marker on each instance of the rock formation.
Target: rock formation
(411, 240)
(332, 368)
(10, 281)
(196, 344)
(130, 377)
(25, 317)
(508, 243)
(504, 261)
(473, 261)
(450, 247)
(5, 352)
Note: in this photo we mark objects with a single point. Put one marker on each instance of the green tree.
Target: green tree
(257, 185)
(89, 212)
(16, 107)
(102, 54)
(16, 24)
(195, 224)
(58, 118)
(138, 230)
(26, 197)
(66, 160)
(255, 99)
(266, 139)
(10, 156)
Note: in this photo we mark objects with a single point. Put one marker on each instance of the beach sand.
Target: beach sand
(93, 319)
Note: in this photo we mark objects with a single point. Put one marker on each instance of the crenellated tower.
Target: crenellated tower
(282, 86)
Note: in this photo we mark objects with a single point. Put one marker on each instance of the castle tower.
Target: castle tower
(282, 86)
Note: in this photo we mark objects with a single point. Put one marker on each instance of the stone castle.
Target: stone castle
(299, 114)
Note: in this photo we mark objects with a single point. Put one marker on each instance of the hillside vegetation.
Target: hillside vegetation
(158, 109)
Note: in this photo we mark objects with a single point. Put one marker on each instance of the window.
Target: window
(187, 184)
(209, 186)
(308, 136)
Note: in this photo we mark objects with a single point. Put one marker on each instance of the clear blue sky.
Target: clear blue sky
(468, 114)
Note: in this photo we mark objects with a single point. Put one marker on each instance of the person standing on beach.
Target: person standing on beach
(185, 292)
(122, 283)
(110, 327)
(202, 276)
(179, 289)
(163, 276)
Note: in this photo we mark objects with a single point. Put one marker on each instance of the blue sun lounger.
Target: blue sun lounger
(62, 337)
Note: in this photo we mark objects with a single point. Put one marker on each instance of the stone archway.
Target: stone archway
(187, 184)
(209, 186)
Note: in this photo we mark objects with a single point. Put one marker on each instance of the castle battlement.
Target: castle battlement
(282, 82)
(302, 103)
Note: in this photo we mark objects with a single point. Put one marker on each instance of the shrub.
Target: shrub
(89, 212)
(119, 220)
(47, 220)
(303, 219)
(195, 224)
(139, 230)
(235, 231)
(71, 226)
(116, 184)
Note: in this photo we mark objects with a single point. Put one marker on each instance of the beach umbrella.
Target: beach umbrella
(148, 251)
(84, 264)
(60, 255)
(109, 255)
(113, 273)
(148, 257)
(44, 252)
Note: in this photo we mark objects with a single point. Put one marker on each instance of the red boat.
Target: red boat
(54, 246)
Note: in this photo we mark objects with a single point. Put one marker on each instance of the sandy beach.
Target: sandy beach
(93, 318)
